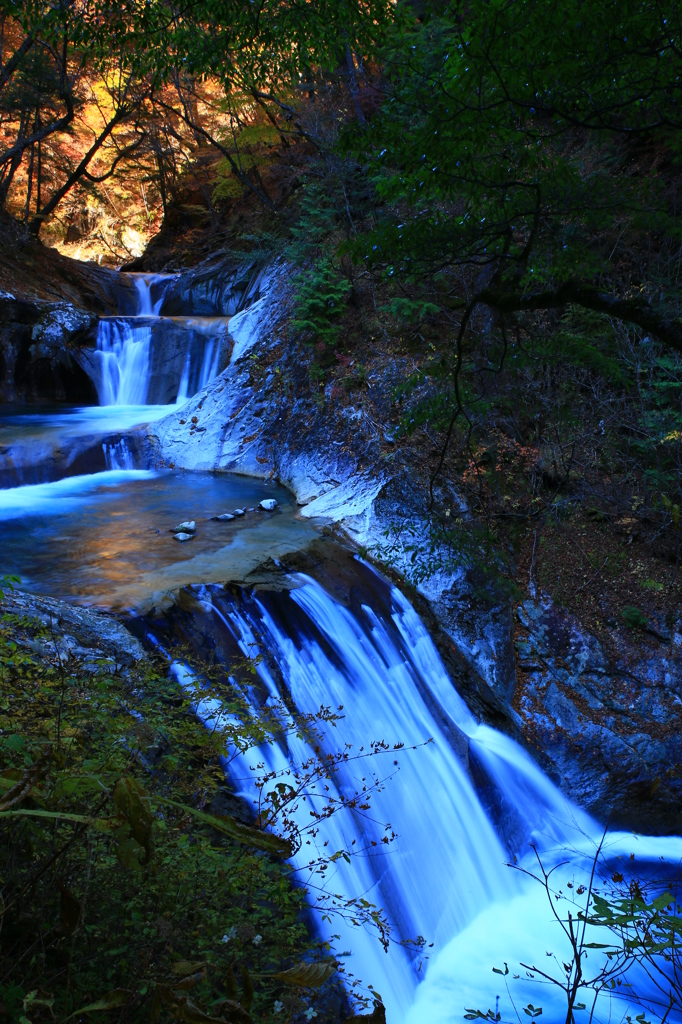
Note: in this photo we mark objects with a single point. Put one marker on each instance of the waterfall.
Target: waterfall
(124, 355)
(445, 876)
(150, 358)
(144, 284)
(118, 456)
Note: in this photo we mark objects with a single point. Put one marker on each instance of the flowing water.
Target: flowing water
(135, 352)
(84, 516)
(457, 808)
(462, 806)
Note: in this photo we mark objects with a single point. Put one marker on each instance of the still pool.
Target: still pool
(106, 539)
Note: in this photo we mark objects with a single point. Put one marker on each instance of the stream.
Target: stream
(84, 517)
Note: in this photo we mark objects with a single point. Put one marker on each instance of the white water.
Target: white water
(125, 347)
(59, 497)
(124, 352)
(119, 455)
(144, 284)
(208, 370)
(445, 876)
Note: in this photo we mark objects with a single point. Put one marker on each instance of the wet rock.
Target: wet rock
(187, 527)
(78, 631)
(268, 504)
(214, 288)
(240, 511)
(182, 537)
(608, 725)
(224, 518)
(43, 352)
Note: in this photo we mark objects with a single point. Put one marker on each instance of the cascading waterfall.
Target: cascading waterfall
(144, 284)
(124, 353)
(445, 877)
(208, 369)
(172, 356)
(460, 805)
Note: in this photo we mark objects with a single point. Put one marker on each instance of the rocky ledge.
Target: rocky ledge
(97, 641)
(606, 728)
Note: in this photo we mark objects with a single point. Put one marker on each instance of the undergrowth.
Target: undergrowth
(126, 886)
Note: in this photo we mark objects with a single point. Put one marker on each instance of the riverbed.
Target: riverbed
(86, 516)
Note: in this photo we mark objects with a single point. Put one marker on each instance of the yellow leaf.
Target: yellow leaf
(133, 802)
(265, 841)
(184, 967)
(247, 990)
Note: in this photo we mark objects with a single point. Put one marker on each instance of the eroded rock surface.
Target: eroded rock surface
(261, 417)
(609, 723)
(41, 354)
(97, 641)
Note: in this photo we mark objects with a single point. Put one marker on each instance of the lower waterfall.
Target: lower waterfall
(445, 877)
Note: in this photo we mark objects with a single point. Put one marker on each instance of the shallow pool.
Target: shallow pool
(107, 538)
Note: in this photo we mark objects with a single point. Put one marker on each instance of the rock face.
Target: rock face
(527, 669)
(79, 632)
(40, 352)
(214, 288)
(611, 725)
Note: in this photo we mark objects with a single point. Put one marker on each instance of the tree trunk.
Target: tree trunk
(78, 173)
(353, 82)
(162, 181)
(39, 176)
(29, 186)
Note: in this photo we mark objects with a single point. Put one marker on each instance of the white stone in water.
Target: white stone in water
(225, 517)
(239, 511)
(188, 527)
(183, 536)
(268, 504)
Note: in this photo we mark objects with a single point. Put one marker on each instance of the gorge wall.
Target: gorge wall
(605, 726)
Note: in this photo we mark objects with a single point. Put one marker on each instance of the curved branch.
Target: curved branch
(14, 61)
(80, 170)
(635, 311)
(97, 178)
(49, 129)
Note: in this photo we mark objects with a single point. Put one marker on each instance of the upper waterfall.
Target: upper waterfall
(149, 358)
(146, 284)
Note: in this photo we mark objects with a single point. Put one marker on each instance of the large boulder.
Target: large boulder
(40, 352)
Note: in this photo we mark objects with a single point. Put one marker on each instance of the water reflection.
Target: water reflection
(106, 539)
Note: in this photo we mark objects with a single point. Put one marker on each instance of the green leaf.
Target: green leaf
(264, 841)
(111, 1001)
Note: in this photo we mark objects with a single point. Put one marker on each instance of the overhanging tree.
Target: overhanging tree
(514, 132)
